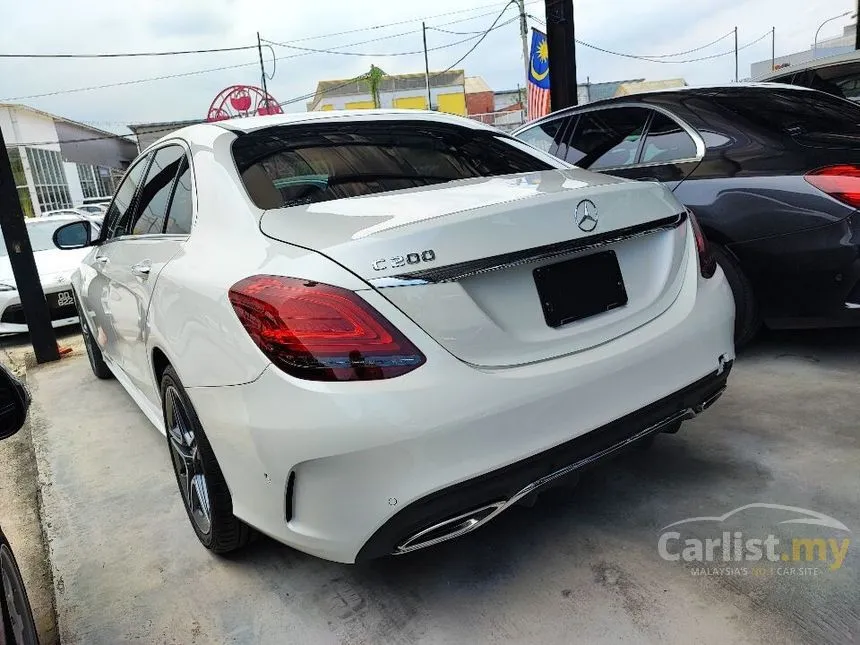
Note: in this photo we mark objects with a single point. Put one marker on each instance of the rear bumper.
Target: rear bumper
(324, 467)
(465, 507)
(807, 279)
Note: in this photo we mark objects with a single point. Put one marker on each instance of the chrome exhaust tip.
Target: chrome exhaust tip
(469, 521)
(451, 528)
(704, 405)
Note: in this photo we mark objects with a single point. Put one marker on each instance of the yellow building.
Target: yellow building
(407, 91)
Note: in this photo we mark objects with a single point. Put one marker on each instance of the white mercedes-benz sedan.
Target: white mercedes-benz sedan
(55, 267)
(364, 333)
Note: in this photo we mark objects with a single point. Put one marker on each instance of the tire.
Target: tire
(97, 362)
(16, 615)
(747, 318)
(201, 484)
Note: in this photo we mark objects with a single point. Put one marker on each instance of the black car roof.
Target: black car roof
(652, 95)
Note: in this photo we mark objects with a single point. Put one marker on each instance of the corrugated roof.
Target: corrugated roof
(599, 91)
(635, 87)
(475, 84)
(134, 127)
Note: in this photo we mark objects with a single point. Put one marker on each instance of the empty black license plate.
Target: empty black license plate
(580, 288)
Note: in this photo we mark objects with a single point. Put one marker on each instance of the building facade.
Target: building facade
(58, 163)
(408, 91)
(828, 47)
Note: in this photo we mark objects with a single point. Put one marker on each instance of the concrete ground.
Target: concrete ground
(19, 495)
(580, 566)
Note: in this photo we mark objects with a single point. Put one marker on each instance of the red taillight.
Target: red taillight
(841, 182)
(319, 332)
(707, 261)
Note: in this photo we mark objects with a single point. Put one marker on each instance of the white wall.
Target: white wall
(22, 127)
(76, 192)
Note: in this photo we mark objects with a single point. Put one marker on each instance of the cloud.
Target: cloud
(187, 23)
(632, 26)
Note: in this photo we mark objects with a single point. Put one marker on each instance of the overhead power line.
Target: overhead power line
(413, 20)
(297, 99)
(133, 54)
(479, 41)
(663, 60)
(240, 65)
(372, 54)
(239, 48)
(659, 58)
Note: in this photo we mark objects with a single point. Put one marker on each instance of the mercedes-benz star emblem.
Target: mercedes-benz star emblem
(586, 215)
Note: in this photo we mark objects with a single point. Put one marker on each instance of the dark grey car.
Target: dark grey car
(772, 172)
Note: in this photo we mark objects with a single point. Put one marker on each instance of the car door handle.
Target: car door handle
(102, 259)
(141, 269)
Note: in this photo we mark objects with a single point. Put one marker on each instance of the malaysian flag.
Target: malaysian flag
(538, 89)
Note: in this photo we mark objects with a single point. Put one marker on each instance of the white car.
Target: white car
(93, 209)
(55, 268)
(364, 333)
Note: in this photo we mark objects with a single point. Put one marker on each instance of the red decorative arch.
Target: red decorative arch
(240, 101)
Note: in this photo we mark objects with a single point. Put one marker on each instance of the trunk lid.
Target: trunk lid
(459, 258)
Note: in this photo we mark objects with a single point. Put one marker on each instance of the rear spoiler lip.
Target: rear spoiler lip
(461, 270)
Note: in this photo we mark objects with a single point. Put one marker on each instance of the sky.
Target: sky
(639, 27)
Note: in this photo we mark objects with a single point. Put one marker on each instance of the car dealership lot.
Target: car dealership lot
(580, 565)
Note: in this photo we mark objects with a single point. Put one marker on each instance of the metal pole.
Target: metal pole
(856, 24)
(560, 39)
(262, 70)
(815, 40)
(24, 265)
(426, 66)
(524, 36)
(773, 47)
(736, 54)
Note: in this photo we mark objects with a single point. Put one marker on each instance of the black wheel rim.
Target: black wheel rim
(187, 461)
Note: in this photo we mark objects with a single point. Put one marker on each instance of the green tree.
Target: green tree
(374, 78)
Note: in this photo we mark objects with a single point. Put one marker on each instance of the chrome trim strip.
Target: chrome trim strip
(394, 281)
(461, 270)
(462, 523)
(852, 305)
(704, 405)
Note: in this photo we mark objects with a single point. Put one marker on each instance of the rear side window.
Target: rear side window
(180, 212)
(794, 113)
(294, 165)
(156, 191)
(607, 138)
(666, 141)
(543, 136)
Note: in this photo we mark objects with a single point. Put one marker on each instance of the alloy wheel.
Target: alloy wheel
(187, 461)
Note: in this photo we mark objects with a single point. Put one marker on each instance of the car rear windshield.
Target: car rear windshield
(794, 112)
(294, 165)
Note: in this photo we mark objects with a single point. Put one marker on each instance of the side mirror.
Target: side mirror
(14, 402)
(74, 235)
